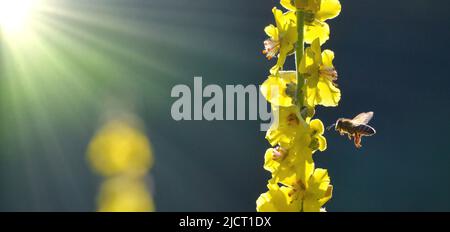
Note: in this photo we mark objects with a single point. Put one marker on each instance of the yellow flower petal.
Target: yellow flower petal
(280, 61)
(307, 62)
(279, 18)
(327, 58)
(286, 35)
(274, 88)
(291, 17)
(318, 30)
(317, 126)
(311, 205)
(327, 196)
(276, 200)
(322, 143)
(328, 9)
(304, 165)
(272, 31)
(288, 5)
(329, 94)
(287, 47)
(285, 126)
(270, 164)
(321, 91)
(321, 180)
(317, 129)
(317, 51)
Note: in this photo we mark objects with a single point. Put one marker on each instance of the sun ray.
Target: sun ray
(16, 14)
(68, 58)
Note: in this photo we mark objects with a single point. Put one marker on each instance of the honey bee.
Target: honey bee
(356, 127)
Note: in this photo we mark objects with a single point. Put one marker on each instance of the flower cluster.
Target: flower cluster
(296, 184)
(121, 153)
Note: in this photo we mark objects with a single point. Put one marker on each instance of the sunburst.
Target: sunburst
(16, 14)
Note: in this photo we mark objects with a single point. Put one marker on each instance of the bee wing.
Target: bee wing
(365, 130)
(363, 118)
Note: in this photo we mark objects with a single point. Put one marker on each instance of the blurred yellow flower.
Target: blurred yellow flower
(282, 38)
(120, 148)
(320, 75)
(125, 194)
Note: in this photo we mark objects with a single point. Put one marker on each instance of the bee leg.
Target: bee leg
(349, 136)
(358, 140)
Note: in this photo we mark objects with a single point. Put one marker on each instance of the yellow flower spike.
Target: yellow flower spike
(282, 38)
(317, 66)
(275, 88)
(295, 184)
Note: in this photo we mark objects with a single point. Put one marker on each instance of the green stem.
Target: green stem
(299, 50)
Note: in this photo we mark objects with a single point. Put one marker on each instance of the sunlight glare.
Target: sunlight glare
(15, 14)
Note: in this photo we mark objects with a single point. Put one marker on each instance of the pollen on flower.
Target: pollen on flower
(314, 145)
(301, 185)
(292, 193)
(293, 120)
(279, 153)
(329, 72)
(310, 17)
(271, 48)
